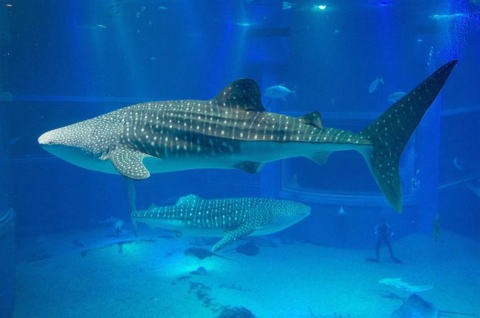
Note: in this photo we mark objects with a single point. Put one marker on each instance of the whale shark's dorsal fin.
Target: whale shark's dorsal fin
(242, 93)
(312, 119)
(188, 199)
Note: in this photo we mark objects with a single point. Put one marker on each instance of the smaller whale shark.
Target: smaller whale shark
(231, 219)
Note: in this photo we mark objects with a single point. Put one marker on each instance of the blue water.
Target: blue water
(66, 61)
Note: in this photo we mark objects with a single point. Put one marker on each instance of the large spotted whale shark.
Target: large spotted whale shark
(233, 130)
(230, 219)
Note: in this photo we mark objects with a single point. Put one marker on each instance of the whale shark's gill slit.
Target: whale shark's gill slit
(391, 131)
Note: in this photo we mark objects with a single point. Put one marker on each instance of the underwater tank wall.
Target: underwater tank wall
(66, 61)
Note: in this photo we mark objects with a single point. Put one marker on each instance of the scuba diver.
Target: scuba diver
(384, 234)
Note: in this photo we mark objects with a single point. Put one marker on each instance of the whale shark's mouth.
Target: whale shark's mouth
(77, 155)
(45, 139)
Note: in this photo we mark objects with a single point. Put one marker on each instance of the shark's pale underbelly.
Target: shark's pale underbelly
(250, 151)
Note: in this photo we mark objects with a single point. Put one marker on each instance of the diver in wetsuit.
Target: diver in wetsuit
(384, 233)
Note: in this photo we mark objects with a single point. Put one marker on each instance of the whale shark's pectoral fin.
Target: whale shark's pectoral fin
(232, 236)
(129, 163)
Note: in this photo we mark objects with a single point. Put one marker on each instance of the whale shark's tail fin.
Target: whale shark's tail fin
(391, 131)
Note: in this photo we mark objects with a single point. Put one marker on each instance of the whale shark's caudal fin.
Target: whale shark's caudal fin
(391, 131)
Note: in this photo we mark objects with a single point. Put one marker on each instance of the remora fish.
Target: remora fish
(233, 130)
(230, 219)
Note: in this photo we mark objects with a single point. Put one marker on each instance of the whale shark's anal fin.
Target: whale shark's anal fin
(320, 158)
(129, 163)
(249, 166)
(232, 236)
(391, 131)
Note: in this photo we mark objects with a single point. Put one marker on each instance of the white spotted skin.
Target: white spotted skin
(212, 218)
(233, 130)
(192, 134)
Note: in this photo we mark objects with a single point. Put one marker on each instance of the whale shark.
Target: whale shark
(230, 219)
(234, 131)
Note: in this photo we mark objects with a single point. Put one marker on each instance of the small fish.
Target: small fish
(396, 96)
(162, 8)
(375, 84)
(286, 5)
(341, 211)
(278, 92)
(456, 163)
(448, 17)
(245, 24)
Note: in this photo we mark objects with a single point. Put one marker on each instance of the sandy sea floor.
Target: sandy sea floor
(152, 278)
